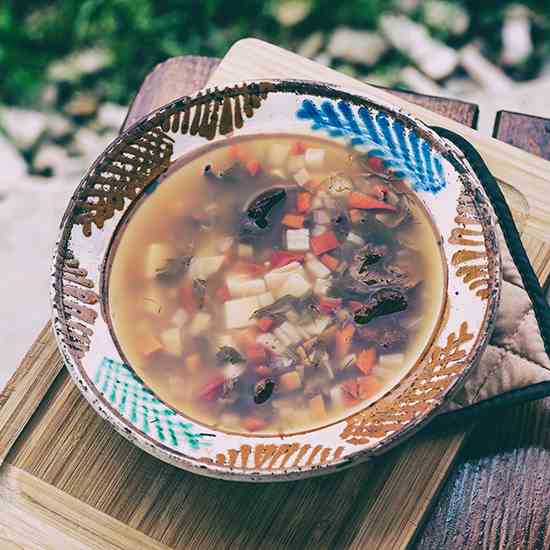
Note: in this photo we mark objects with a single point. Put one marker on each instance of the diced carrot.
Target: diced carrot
(187, 299)
(193, 363)
(223, 293)
(367, 386)
(265, 324)
(330, 261)
(376, 164)
(303, 201)
(343, 339)
(355, 215)
(253, 167)
(290, 381)
(212, 389)
(247, 337)
(295, 221)
(323, 243)
(365, 202)
(280, 258)
(263, 370)
(297, 148)
(354, 305)
(328, 305)
(366, 359)
(317, 407)
(256, 353)
(250, 268)
(254, 424)
(148, 344)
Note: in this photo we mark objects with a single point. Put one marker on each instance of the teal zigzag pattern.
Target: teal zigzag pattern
(126, 393)
(403, 151)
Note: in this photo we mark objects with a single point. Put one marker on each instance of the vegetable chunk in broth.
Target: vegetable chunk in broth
(275, 284)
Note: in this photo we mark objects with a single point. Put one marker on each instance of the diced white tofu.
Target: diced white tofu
(238, 313)
(314, 158)
(321, 286)
(203, 267)
(156, 258)
(245, 251)
(200, 323)
(296, 285)
(302, 177)
(275, 278)
(241, 287)
(171, 341)
(271, 342)
(321, 216)
(295, 163)
(391, 360)
(316, 268)
(265, 299)
(277, 154)
(318, 229)
(297, 239)
(225, 243)
(180, 317)
(354, 238)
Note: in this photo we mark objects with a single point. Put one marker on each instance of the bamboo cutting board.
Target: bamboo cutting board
(71, 482)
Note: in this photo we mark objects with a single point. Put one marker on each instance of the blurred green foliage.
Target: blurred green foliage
(141, 33)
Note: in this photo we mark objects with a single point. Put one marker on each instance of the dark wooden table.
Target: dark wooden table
(498, 494)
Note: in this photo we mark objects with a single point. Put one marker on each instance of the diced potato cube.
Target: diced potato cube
(302, 177)
(171, 341)
(265, 299)
(277, 154)
(295, 163)
(321, 216)
(275, 278)
(200, 323)
(193, 363)
(290, 381)
(245, 251)
(238, 313)
(321, 286)
(296, 285)
(391, 360)
(316, 268)
(297, 239)
(354, 238)
(317, 407)
(148, 344)
(271, 342)
(203, 267)
(314, 158)
(180, 317)
(156, 258)
(241, 286)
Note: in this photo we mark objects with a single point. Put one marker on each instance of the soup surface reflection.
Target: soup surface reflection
(275, 284)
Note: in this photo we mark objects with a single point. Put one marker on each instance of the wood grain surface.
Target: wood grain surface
(68, 446)
(498, 495)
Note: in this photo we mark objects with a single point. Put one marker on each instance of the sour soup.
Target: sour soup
(275, 284)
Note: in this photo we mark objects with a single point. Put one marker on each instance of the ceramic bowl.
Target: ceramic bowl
(134, 164)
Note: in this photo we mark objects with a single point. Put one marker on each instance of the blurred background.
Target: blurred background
(69, 68)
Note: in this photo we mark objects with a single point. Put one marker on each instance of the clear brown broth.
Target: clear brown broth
(142, 306)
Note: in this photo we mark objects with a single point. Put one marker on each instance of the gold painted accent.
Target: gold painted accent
(394, 413)
(276, 457)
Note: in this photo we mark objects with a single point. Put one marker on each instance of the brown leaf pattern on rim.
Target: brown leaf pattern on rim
(276, 457)
(76, 297)
(472, 262)
(443, 365)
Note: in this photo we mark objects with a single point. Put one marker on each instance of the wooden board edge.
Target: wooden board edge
(27, 388)
(37, 515)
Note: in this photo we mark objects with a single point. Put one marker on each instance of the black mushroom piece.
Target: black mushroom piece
(263, 390)
(232, 174)
(382, 302)
(386, 335)
(227, 354)
(368, 256)
(257, 218)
